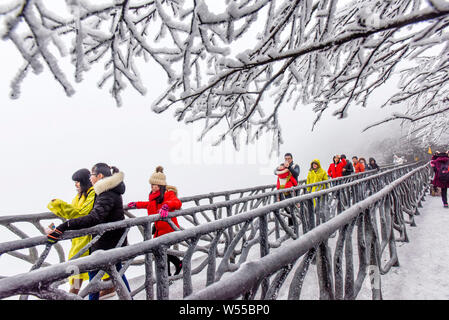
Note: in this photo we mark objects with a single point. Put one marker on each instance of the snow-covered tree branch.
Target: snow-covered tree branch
(234, 65)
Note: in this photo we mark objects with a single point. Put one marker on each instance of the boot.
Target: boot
(107, 293)
(177, 263)
(178, 267)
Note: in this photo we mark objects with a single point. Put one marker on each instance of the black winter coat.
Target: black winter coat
(349, 168)
(108, 207)
(372, 166)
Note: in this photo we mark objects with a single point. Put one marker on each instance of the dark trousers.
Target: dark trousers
(444, 195)
(176, 261)
(92, 274)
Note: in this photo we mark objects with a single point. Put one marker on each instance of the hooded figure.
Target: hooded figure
(316, 174)
(372, 165)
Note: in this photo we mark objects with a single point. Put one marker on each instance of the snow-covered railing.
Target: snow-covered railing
(235, 202)
(264, 278)
(218, 239)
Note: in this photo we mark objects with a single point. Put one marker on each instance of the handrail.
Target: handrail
(252, 273)
(248, 228)
(29, 242)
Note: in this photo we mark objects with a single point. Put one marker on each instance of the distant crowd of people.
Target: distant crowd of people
(288, 172)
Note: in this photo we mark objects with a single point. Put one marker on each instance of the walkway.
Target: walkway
(424, 261)
(423, 271)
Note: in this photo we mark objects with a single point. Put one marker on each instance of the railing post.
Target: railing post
(212, 258)
(264, 247)
(149, 291)
(187, 267)
(162, 290)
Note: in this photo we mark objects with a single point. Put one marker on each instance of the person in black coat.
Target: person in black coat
(348, 168)
(108, 207)
(372, 165)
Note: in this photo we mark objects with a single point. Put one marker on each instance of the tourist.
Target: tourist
(108, 207)
(440, 163)
(81, 206)
(162, 199)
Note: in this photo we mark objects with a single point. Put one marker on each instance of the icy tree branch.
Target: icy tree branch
(328, 53)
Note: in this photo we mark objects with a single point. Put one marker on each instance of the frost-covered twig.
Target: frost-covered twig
(327, 53)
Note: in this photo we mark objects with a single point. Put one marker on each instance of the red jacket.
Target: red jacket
(152, 207)
(336, 170)
(359, 167)
(291, 182)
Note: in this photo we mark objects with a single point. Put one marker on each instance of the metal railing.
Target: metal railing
(385, 208)
(244, 199)
(228, 238)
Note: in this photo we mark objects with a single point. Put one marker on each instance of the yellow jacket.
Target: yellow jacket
(316, 176)
(81, 206)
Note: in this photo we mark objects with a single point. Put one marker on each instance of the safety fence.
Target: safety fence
(234, 202)
(221, 242)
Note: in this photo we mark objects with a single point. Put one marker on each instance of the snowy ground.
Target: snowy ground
(422, 274)
(424, 261)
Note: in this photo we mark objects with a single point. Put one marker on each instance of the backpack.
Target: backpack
(444, 172)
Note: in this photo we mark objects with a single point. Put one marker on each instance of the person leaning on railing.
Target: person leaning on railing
(108, 207)
(162, 199)
(81, 206)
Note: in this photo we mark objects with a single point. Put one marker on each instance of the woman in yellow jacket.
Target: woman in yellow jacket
(316, 174)
(81, 205)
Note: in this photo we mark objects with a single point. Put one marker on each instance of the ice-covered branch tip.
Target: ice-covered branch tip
(402, 116)
(235, 67)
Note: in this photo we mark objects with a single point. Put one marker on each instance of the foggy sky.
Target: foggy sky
(46, 136)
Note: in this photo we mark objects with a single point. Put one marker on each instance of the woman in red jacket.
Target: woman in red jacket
(162, 199)
(336, 168)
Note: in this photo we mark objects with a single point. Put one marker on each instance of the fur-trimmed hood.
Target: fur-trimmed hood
(113, 182)
(172, 188)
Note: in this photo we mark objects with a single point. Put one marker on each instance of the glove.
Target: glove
(132, 205)
(55, 236)
(164, 211)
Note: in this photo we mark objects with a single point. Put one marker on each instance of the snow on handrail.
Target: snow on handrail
(217, 238)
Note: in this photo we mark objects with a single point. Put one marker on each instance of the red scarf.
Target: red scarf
(154, 195)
